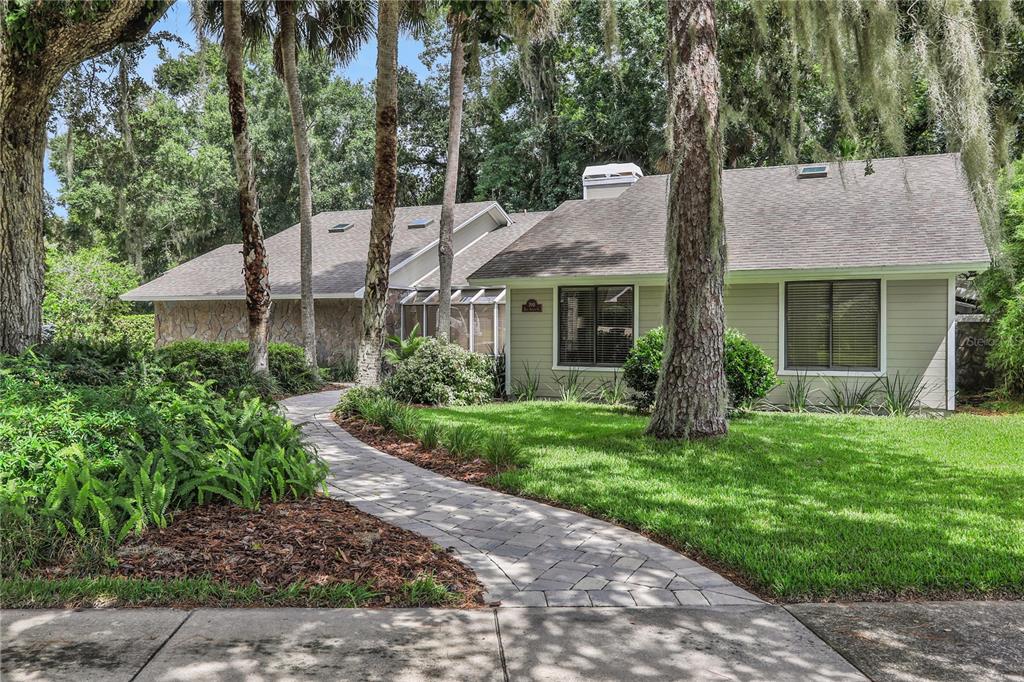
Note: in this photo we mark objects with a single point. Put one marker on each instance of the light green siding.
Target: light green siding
(651, 307)
(916, 312)
(916, 338)
(754, 310)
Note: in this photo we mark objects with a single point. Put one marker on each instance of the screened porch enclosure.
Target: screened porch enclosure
(478, 317)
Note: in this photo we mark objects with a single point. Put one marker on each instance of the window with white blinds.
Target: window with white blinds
(595, 325)
(833, 325)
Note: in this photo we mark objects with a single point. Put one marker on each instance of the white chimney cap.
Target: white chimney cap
(611, 170)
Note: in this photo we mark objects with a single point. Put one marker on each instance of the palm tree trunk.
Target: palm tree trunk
(286, 15)
(691, 396)
(445, 248)
(385, 188)
(254, 255)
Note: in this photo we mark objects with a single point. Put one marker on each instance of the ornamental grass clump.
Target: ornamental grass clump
(850, 396)
(463, 440)
(901, 395)
(501, 451)
(573, 387)
(527, 389)
(429, 435)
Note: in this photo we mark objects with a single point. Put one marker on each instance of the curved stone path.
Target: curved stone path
(526, 553)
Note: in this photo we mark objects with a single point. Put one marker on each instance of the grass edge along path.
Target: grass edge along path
(804, 506)
(119, 592)
(111, 591)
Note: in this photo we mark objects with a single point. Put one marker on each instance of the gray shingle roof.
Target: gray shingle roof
(339, 259)
(910, 211)
(482, 250)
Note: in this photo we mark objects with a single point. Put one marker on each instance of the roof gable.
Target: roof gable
(911, 211)
(339, 257)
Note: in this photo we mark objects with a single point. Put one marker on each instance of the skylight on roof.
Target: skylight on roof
(420, 222)
(340, 227)
(818, 170)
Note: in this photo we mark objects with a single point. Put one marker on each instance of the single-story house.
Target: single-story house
(837, 274)
(841, 272)
(205, 297)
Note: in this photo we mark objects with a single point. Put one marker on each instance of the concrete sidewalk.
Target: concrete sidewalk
(740, 642)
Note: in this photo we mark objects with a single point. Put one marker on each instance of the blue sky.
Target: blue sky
(176, 21)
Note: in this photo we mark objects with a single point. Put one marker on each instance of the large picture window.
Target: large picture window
(595, 325)
(833, 325)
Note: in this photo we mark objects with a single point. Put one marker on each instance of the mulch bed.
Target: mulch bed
(439, 460)
(318, 541)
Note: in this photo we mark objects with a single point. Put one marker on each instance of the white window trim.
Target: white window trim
(951, 348)
(554, 326)
(883, 333)
(508, 340)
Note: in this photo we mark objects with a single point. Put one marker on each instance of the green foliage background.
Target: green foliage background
(99, 440)
(82, 290)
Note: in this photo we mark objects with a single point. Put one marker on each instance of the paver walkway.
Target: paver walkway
(525, 553)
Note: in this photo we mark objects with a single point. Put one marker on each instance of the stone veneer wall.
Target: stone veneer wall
(338, 325)
(973, 344)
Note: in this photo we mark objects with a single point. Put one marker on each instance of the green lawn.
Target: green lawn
(805, 506)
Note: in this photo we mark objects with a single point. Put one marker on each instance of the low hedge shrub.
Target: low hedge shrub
(227, 366)
(139, 331)
(84, 363)
(441, 373)
(749, 371)
(465, 441)
(640, 371)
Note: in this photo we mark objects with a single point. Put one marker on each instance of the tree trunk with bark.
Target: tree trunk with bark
(445, 248)
(691, 395)
(254, 255)
(385, 187)
(30, 72)
(22, 252)
(290, 76)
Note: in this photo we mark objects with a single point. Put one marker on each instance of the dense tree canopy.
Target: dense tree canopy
(181, 193)
(531, 124)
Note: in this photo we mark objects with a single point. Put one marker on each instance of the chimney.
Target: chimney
(609, 180)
